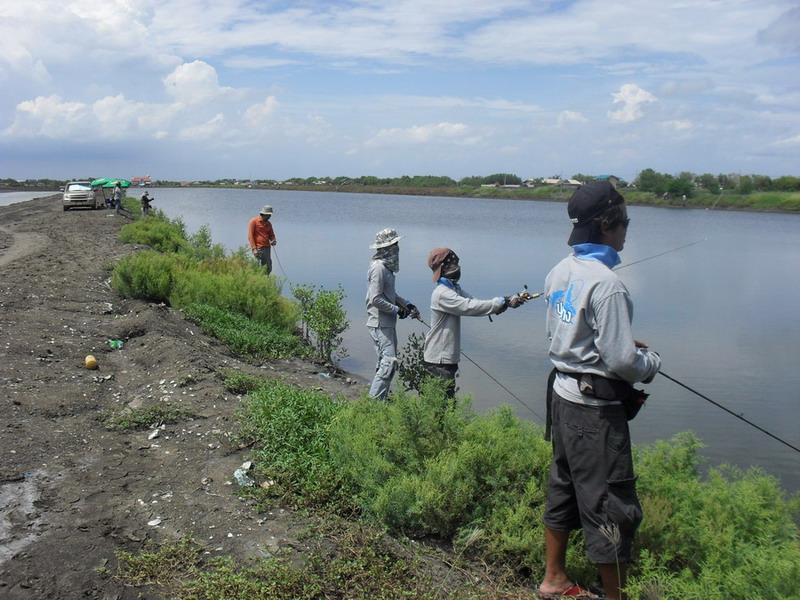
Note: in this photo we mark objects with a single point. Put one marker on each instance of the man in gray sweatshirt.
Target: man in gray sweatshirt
(450, 302)
(384, 305)
(596, 358)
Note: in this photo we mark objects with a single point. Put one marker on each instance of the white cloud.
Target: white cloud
(678, 125)
(212, 129)
(259, 113)
(420, 134)
(789, 142)
(194, 83)
(632, 97)
(50, 117)
(569, 116)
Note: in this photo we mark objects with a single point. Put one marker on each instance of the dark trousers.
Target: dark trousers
(445, 372)
(264, 255)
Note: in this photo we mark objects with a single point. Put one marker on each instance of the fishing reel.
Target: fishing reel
(526, 295)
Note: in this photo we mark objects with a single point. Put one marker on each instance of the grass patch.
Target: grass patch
(240, 383)
(344, 561)
(165, 565)
(290, 426)
(147, 417)
(257, 340)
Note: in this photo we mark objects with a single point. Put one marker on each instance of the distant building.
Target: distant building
(142, 181)
(562, 183)
(611, 178)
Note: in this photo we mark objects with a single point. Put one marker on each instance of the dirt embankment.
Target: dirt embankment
(72, 492)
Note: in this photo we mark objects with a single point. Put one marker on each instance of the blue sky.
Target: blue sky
(191, 89)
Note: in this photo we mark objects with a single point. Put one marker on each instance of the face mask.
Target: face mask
(453, 275)
(390, 256)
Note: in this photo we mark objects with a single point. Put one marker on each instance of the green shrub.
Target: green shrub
(148, 275)
(422, 465)
(419, 470)
(292, 427)
(180, 280)
(160, 234)
(712, 538)
(253, 339)
(202, 247)
(411, 362)
(324, 319)
(238, 286)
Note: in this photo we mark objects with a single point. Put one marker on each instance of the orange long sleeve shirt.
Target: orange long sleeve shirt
(260, 233)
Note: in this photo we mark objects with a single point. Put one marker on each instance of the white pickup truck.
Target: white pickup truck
(79, 193)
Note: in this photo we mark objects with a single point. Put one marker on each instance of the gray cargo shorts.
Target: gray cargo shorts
(591, 483)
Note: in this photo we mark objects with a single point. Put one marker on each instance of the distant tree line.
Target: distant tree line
(648, 180)
(687, 183)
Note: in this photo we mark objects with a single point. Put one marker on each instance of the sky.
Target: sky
(259, 89)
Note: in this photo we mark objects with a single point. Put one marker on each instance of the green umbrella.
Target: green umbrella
(100, 181)
(113, 182)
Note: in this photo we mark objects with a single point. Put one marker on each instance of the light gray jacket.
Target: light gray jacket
(589, 314)
(381, 297)
(448, 305)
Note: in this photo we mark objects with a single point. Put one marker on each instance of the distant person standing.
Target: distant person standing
(117, 196)
(262, 237)
(146, 200)
(384, 305)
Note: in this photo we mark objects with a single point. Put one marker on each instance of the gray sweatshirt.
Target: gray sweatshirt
(589, 314)
(381, 298)
(448, 305)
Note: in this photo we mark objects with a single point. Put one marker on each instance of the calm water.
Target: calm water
(722, 313)
(7, 198)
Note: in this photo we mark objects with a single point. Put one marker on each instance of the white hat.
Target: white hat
(386, 237)
(267, 210)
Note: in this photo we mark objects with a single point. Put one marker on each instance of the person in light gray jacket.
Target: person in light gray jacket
(591, 484)
(384, 305)
(450, 302)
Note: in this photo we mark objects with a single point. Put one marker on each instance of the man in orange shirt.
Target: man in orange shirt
(262, 237)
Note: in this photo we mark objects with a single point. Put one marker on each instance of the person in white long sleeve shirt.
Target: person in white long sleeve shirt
(591, 485)
(450, 302)
(384, 305)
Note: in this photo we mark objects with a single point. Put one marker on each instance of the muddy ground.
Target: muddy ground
(72, 492)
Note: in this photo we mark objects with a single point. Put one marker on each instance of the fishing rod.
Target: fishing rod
(636, 262)
(730, 412)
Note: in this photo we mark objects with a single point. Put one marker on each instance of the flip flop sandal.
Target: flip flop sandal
(575, 591)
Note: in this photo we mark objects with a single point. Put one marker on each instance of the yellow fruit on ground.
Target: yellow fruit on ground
(91, 362)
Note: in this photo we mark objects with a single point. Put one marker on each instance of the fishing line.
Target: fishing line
(727, 410)
(278, 260)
